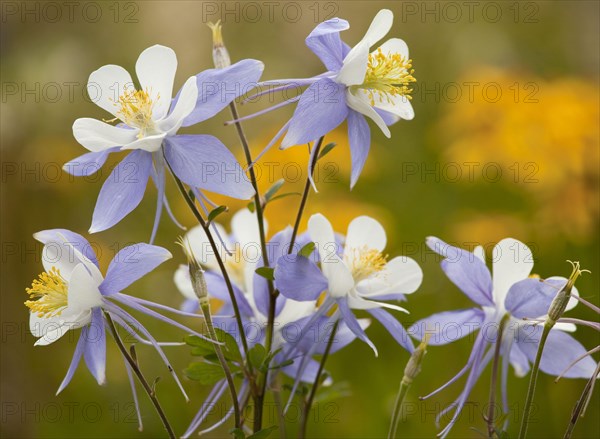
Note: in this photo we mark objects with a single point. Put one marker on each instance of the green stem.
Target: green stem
(582, 403)
(402, 391)
(305, 193)
(313, 390)
(494, 380)
(136, 369)
(205, 306)
(532, 382)
(205, 226)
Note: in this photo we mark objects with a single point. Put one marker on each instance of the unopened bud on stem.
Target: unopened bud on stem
(220, 54)
(413, 367)
(559, 303)
(196, 274)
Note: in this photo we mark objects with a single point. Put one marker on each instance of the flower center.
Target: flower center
(388, 76)
(48, 294)
(135, 109)
(367, 262)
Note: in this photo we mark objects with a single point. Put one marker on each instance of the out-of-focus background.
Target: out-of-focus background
(505, 142)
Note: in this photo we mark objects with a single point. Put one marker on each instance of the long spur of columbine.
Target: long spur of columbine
(72, 294)
(504, 300)
(148, 123)
(356, 84)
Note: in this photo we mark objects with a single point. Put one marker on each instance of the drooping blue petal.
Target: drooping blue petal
(532, 297)
(94, 351)
(560, 351)
(307, 332)
(321, 109)
(326, 43)
(204, 162)
(217, 288)
(130, 264)
(77, 241)
(394, 327)
(122, 191)
(158, 175)
(302, 369)
(465, 270)
(218, 87)
(276, 248)
(74, 363)
(447, 327)
(388, 118)
(353, 323)
(519, 360)
(88, 163)
(298, 278)
(359, 136)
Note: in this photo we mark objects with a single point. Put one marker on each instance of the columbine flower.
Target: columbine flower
(357, 84)
(358, 278)
(149, 120)
(509, 297)
(241, 253)
(71, 293)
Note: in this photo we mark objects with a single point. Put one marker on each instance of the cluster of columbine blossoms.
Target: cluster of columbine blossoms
(278, 307)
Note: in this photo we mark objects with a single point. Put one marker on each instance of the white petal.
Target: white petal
(147, 143)
(354, 68)
(51, 329)
(394, 45)
(83, 291)
(293, 311)
(339, 276)
(201, 248)
(98, 136)
(567, 327)
(184, 106)
(401, 275)
(155, 69)
(361, 103)
(512, 262)
(321, 232)
(360, 303)
(183, 282)
(365, 231)
(244, 228)
(480, 253)
(380, 26)
(106, 84)
(397, 105)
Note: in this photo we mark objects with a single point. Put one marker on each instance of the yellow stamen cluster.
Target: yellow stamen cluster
(367, 262)
(387, 76)
(135, 109)
(48, 294)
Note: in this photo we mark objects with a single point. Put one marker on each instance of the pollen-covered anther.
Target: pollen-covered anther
(48, 295)
(388, 75)
(135, 109)
(367, 262)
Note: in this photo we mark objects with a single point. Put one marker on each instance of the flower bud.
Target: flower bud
(196, 274)
(559, 303)
(220, 54)
(413, 367)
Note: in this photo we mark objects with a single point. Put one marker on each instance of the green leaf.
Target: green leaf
(264, 433)
(237, 433)
(266, 272)
(205, 348)
(339, 389)
(191, 195)
(202, 351)
(282, 364)
(273, 189)
(205, 373)
(231, 350)
(257, 355)
(251, 207)
(325, 150)
(216, 212)
(307, 250)
(286, 194)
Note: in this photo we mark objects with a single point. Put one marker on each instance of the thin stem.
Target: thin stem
(532, 383)
(136, 369)
(494, 381)
(582, 403)
(313, 390)
(402, 391)
(305, 193)
(215, 249)
(211, 330)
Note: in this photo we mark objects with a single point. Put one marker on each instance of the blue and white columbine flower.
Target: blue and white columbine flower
(359, 276)
(357, 83)
(72, 293)
(149, 121)
(509, 296)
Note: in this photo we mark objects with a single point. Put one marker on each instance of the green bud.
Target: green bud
(559, 303)
(220, 53)
(413, 367)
